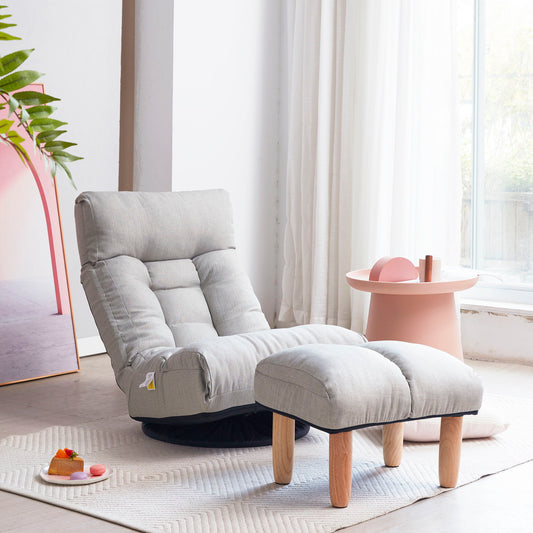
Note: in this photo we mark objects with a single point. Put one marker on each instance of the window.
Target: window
(495, 70)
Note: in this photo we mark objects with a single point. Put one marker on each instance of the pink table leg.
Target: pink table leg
(429, 319)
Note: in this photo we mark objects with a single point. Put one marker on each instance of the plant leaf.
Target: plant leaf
(45, 124)
(21, 152)
(4, 25)
(55, 146)
(53, 166)
(28, 98)
(40, 111)
(12, 61)
(18, 80)
(67, 172)
(6, 37)
(47, 136)
(16, 146)
(64, 157)
(14, 137)
(24, 116)
(5, 125)
(13, 104)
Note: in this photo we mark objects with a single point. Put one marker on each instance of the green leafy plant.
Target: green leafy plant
(29, 109)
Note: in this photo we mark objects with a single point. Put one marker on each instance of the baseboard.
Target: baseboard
(497, 336)
(90, 346)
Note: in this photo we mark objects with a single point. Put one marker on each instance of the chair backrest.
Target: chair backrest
(160, 270)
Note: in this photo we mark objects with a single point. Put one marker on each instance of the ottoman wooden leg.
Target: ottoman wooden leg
(450, 450)
(282, 448)
(393, 443)
(340, 468)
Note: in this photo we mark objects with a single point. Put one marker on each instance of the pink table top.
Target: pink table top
(358, 279)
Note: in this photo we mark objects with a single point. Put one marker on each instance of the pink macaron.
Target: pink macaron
(97, 470)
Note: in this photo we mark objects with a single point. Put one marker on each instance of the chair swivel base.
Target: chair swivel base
(238, 431)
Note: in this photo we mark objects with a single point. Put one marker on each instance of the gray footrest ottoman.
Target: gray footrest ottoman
(339, 388)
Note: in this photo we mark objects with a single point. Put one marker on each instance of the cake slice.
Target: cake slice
(65, 462)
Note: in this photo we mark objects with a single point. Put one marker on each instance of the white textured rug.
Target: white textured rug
(157, 486)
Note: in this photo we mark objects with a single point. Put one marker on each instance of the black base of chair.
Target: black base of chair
(239, 431)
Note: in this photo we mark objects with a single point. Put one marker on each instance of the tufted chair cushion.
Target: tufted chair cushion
(161, 270)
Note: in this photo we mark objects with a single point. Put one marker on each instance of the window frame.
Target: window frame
(489, 286)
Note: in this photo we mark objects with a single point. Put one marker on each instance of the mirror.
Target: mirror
(37, 337)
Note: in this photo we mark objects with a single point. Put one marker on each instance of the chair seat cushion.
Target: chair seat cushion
(214, 375)
(336, 388)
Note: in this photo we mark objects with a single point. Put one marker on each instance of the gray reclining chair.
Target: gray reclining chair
(178, 316)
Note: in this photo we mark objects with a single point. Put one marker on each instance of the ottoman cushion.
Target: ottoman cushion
(440, 384)
(333, 387)
(340, 387)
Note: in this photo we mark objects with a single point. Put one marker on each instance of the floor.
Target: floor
(500, 503)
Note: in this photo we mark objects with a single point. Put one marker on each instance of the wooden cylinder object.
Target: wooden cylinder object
(392, 443)
(340, 468)
(428, 273)
(282, 448)
(451, 433)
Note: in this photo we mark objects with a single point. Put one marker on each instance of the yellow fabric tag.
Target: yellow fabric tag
(149, 381)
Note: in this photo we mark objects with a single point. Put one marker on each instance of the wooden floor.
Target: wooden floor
(501, 503)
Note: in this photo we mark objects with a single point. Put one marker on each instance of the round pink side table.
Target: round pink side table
(413, 311)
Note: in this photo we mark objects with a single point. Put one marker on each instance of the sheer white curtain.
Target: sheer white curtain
(372, 156)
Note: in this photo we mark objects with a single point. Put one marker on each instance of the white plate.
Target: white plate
(65, 480)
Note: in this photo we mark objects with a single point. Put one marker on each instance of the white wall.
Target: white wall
(77, 46)
(226, 120)
(152, 163)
